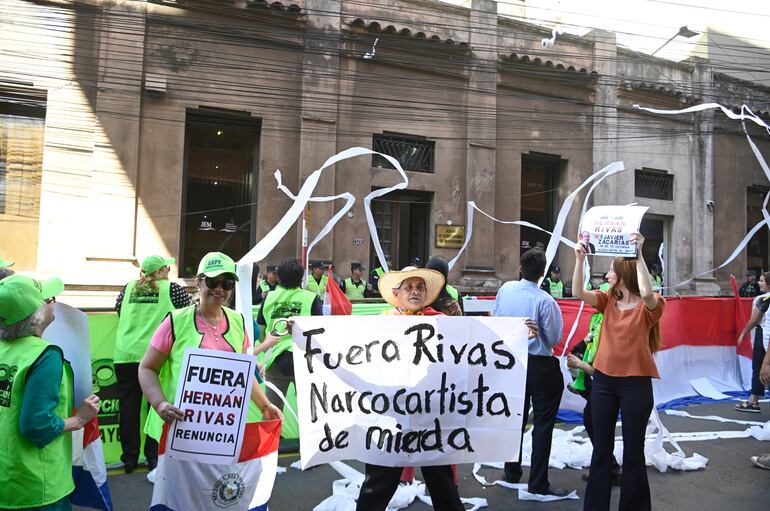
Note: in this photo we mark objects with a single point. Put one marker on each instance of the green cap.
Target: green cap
(6, 264)
(21, 296)
(214, 264)
(154, 263)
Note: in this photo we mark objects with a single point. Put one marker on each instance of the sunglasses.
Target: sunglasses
(226, 284)
(50, 300)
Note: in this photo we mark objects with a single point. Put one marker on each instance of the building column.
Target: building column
(318, 114)
(702, 171)
(115, 164)
(481, 134)
(605, 130)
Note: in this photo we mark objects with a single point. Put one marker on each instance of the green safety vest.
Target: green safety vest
(31, 477)
(264, 286)
(352, 291)
(140, 315)
(452, 292)
(605, 286)
(657, 283)
(187, 336)
(285, 303)
(379, 271)
(318, 288)
(556, 288)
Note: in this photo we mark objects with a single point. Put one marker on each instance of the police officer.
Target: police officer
(372, 291)
(353, 286)
(269, 283)
(657, 278)
(316, 282)
(553, 284)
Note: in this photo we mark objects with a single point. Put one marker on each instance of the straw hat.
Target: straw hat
(434, 283)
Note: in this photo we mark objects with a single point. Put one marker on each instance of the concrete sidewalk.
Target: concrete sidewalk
(729, 481)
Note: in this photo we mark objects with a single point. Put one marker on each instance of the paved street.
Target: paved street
(729, 480)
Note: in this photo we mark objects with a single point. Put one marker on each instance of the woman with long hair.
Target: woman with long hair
(623, 370)
(758, 319)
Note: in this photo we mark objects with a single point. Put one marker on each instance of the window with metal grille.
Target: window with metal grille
(654, 184)
(413, 153)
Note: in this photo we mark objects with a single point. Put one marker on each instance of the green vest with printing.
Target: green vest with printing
(453, 292)
(31, 477)
(319, 288)
(285, 303)
(352, 291)
(187, 336)
(556, 288)
(140, 315)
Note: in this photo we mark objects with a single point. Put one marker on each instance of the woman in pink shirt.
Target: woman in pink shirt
(209, 325)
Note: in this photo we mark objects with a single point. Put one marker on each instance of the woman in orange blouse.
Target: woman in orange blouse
(623, 372)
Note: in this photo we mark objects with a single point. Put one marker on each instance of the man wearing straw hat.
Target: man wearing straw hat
(409, 291)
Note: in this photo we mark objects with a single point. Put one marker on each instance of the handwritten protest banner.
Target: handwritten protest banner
(605, 229)
(213, 392)
(409, 390)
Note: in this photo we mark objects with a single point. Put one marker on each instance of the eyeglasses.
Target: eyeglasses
(50, 300)
(226, 284)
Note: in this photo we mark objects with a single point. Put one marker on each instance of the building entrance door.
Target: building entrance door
(539, 193)
(402, 221)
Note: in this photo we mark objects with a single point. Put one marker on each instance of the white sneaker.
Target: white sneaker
(151, 475)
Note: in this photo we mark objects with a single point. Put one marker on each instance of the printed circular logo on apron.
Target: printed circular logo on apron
(228, 490)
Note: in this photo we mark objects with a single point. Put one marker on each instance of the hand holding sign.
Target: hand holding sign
(636, 238)
(169, 413)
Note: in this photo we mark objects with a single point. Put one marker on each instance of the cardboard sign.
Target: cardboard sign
(606, 229)
(69, 331)
(409, 390)
(213, 391)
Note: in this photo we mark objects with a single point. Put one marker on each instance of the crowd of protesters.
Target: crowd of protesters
(158, 321)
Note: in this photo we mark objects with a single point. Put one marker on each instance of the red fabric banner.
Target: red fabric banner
(687, 321)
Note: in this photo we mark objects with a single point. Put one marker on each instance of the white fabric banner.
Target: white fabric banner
(213, 392)
(409, 390)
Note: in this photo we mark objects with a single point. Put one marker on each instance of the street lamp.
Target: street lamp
(683, 31)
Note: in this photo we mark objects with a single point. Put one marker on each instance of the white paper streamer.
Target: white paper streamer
(261, 250)
(717, 418)
(561, 218)
(745, 115)
(471, 206)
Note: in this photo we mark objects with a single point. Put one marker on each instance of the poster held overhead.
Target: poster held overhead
(605, 230)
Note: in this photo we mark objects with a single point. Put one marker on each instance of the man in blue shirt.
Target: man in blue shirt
(545, 385)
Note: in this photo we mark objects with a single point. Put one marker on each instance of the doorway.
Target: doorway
(402, 221)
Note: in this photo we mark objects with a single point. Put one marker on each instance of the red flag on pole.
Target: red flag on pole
(338, 303)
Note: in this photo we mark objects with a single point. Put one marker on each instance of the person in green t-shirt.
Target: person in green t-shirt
(36, 400)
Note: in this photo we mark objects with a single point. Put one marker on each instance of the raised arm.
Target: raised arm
(643, 274)
(578, 289)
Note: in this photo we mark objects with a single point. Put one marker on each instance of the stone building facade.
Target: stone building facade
(139, 127)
